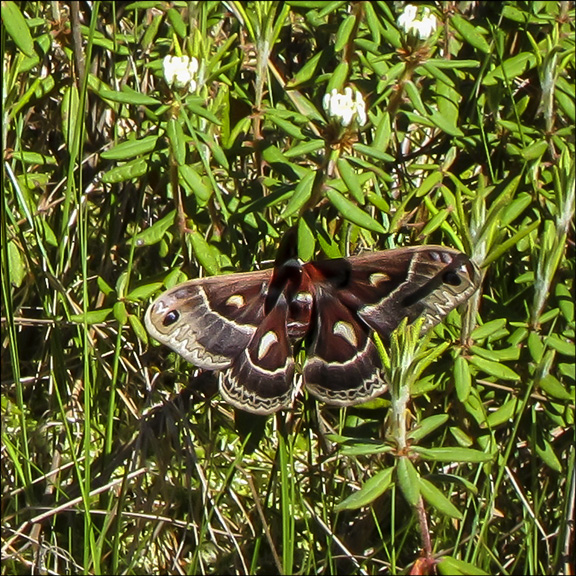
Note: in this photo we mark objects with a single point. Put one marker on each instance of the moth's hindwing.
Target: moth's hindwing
(260, 379)
(342, 366)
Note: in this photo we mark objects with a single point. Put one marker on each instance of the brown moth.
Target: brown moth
(246, 325)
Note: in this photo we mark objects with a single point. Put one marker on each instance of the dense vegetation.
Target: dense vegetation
(121, 178)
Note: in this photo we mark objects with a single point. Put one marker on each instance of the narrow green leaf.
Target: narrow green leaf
(203, 253)
(120, 312)
(132, 169)
(177, 140)
(70, 114)
(344, 31)
(16, 267)
(462, 378)
(372, 489)
(306, 241)
(451, 454)
(562, 346)
(128, 96)
(352, 212)
(486, 330)
(504, 355)
(338, 77)
(175, 19)
(548, 456)
(307, 72)
(446, 124)
(15, 25)
(496, 369)
(553, 387)
(470, 33)
(351, 180)
(408, 480)
(504, 414)
(196, 184)
(427, 426)
(138, 327)
(435, 222)
(511, 68)
(301, 195)
(155, 233)
(463, 439)
(131, 148)
(449, 566)
(92, 316)
(436, 498)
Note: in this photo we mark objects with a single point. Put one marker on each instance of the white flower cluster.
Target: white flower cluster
(345, 108)
(180, 72)
(422, 27)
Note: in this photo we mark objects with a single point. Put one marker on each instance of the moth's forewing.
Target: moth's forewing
(210, 321)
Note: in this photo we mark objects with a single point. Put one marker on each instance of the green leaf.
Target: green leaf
(451, 454)
(338, 77)
(372, 489)
(287, 127)
(71, 121)
(436, 498)
(138, 327)
(120, 312)
(510, 69)
(352, 212)
(175, 19)
(156, 232)
(306, 241)
(553, 387)
(92, 316)
(129, 171)
(307, 72)
(15, 25)
(496, 369)
(548, 456)
(143, 292)
(504, 355)
(562, 346)
(373, 152)
(463, 439)
(344, 31)
(196, 184)
(203, 252)
(462, 378)
(131, 148)
(301, 195)
(408, 480)
(128, 96)
(446, 123)
(351, 180)
(177, 140)
(16, 267)
(449, 566)
(504, 414)
(469, 33)
(427, 426)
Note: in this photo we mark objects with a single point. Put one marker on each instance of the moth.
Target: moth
(246, 325)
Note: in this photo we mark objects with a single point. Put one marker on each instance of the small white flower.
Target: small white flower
(422, 27)
(345, 108)
(180, 72)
